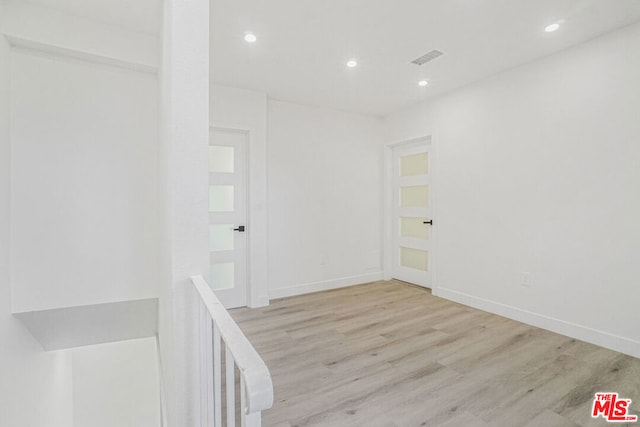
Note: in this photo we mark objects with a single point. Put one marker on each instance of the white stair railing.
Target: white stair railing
(256, 388)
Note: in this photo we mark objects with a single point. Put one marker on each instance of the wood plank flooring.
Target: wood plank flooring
(391, 354)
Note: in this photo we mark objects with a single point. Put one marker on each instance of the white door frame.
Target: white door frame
(256, 276)
(388, 211)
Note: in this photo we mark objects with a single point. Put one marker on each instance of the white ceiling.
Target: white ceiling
(303, 45)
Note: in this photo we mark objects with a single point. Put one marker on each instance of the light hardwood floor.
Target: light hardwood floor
(391, 354)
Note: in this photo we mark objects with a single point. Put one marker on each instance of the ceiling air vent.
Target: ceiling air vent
(429, 56)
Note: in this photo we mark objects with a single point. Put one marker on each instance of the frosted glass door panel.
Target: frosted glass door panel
(221, 159)
(228, 227)
(221, 198)
(414, 164)
(222, 276)
(414, 228)
(221, 237)
(415, 196)
(414, 258)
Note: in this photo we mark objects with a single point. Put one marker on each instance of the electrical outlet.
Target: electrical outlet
(526, 279)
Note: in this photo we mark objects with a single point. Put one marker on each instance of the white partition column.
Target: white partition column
(185, 131)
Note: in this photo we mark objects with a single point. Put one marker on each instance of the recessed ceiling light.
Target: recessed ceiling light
(423, 83)
(250, 38)
(352, 63)
(552, 27)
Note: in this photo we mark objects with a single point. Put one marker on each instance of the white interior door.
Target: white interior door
(228, 226)
(412, 226)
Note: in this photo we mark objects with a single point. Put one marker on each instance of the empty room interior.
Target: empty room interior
(319, 213)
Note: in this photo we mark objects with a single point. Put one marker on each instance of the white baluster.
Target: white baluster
(206, 368)
(248, 420)
(253, 420)
(231, 388)
(217, 377)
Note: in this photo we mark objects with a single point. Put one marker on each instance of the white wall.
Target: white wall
(116, 384)
(539, 171)
(245, 109)
(84, 132)
(325, 208)
(36, 387)
(84, 181)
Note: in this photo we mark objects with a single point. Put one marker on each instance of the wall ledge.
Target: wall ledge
(58, 51)
(70, 327)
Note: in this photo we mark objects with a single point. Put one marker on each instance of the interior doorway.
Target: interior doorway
(228, 228)
(411, 224)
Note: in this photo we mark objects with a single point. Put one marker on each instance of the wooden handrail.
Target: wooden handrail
(257, 379)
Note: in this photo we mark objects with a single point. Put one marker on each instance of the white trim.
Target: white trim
(231, 128)
(260, 301)
(57, 51)
(409, 142)
(573, 330)
(326, 285)
(387, 211)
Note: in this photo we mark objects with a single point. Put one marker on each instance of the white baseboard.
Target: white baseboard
(583, 333)
(307, 288)
(261, 301)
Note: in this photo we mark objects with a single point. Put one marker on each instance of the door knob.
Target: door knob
(240, 229)
(430, 222)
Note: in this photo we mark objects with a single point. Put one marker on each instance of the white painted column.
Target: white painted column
(185, 132)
